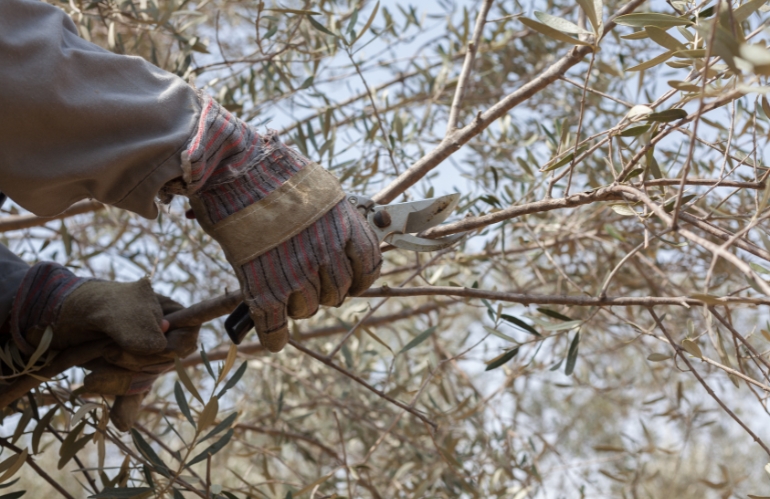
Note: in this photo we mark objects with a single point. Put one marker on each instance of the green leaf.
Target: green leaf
(320, 27)
(45, 342)
(652, 62)
(634, 131)
(368, 23)
(563, 326)
(663, 39)
(308, 81)
(9, 484)
(296, 11)
(553, 314)
(593, 10)
(501, 359)
(148, 452)
(418, 339)
(667, 115)
(563, 161)
(550, 32)
(205, 356)
(683, 85)
(122, 493)
(625, 210)
(642, 20)
(41, 427)
(560, 24)
(636, 35)
(73, 448)
(669, 206)
(758, 268)
(13, 495)
(691, 54)
(743, 12)
(572, 355)
(497, 333)
(185, 379)
(652, 164)
(234, 379)
(212, 449)
(658, 357)
(225, 423)
(692, 348)
(181, 401)
(613, 233)
(520, 323)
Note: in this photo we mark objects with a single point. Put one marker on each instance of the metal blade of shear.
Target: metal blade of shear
(415, 243)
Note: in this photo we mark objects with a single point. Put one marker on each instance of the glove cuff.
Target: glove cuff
(250, 192)
(281, 215)
(39, 299)
(230, 164)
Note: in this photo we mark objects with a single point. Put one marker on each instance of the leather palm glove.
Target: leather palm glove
(130, 375)
(282, 221)
(82, 310)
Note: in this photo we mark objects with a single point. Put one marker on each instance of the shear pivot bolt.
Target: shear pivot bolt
(382, 219)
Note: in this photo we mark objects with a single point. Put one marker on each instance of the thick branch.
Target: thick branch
(255, 347)
(472, 223)
(582, 301)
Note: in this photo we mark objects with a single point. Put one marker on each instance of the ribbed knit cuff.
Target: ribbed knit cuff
(39, 299)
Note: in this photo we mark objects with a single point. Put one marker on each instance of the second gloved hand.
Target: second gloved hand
(83, 310)
(282, 221)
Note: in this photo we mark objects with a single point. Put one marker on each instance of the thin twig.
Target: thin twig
(458, 138)
(705, 385)
(701, 106)
(357, 379)
(465, 73)
(5, 443)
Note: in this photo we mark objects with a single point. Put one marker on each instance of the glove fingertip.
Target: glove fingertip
(274, 341)
(125, 411)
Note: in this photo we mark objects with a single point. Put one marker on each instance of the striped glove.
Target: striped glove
(280, 219)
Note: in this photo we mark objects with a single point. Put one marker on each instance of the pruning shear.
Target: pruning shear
(395, 224)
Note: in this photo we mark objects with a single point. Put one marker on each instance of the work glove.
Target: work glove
(282, 221)
(80, 310)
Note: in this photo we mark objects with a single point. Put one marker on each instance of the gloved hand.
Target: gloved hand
(129, 376)
(83, 310)
(281, 220)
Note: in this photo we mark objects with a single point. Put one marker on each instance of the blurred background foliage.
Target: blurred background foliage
(530, 401)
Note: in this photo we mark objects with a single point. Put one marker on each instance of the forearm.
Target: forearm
(77, 121)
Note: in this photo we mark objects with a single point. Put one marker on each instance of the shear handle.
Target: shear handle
(239, 323)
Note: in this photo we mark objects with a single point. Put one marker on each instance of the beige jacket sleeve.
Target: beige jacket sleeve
(77, 121)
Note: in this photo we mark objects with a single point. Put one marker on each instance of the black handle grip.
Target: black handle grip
(239, 323)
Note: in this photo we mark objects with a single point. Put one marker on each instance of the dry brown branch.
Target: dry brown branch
(454, 141)
(581, 301)
(17, 222)
(706, 181)
(256, 347)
